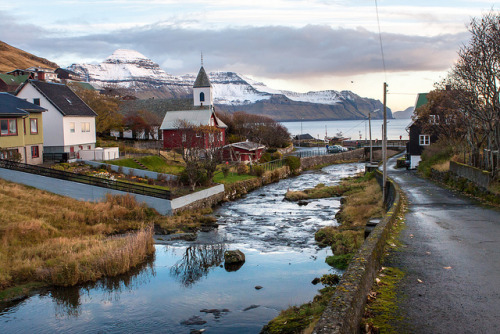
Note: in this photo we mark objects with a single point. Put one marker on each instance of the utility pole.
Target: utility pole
(384, 146)
(371, 144)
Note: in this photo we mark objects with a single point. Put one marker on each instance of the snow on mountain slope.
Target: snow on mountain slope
(324, 97)
(231, 89)
(132, 70)
(125, 68)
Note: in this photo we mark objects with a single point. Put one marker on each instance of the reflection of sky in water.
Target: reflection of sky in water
(278, 241)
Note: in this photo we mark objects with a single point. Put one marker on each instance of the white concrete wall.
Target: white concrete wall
(414, 161)
(100, 154)
(180, 202)
(79, 191)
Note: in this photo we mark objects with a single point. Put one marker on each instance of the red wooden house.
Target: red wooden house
(193, 128)
(196, 128)
(245, 151)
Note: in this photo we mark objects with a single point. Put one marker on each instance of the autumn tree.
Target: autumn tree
(477, 76)
(201, 147)
(106, 108)
(257, 128)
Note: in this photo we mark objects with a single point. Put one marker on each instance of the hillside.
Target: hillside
(12, 58)
(407, 113)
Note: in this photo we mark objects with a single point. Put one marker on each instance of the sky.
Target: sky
(297, 45)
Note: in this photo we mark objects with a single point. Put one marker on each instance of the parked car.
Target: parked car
(336, 149)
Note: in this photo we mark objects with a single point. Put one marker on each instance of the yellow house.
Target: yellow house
(21, 130)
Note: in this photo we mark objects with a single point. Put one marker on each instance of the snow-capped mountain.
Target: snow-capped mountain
(138, 75)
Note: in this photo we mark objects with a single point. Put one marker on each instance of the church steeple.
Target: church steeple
(202, 88)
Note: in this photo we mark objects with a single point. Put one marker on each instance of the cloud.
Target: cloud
(271, 51)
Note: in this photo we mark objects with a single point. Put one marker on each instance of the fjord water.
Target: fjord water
(185, 285)
(354, 129)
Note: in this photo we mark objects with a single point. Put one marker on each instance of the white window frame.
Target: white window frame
(424, 140)
(85, 126)
(72, 127)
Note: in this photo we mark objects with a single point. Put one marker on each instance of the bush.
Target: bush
(293, 162)
(242, 169)
(258, 171)
(266, 157)
(225, 170)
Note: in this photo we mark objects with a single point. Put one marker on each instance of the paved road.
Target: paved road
(453, 247)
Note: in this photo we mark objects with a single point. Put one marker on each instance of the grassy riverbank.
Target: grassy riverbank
(362, 199)
(47, 239)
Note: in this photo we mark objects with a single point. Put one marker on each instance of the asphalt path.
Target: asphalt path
(451, 261)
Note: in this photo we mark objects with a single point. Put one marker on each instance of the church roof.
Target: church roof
(198, 117)
(202, 79)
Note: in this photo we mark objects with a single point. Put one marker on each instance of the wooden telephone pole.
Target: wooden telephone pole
(384, 146)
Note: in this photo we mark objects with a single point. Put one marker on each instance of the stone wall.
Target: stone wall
(345, 310)
(239, 189)
(480, 177)
(329, 159)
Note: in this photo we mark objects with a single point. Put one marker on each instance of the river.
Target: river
(185, 286)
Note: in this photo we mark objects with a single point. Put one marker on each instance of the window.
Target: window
(211, 137)
(34, 152)
(434, 119)
(424, 140)
(36, 101)
(8, 127)
(220, 136)
(72, 127)
(183, 137)
(202, 97)
(34, 126)
(85, 127)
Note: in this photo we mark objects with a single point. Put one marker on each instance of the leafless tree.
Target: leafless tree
(477, 76)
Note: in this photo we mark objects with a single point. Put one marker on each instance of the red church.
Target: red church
(199, 127)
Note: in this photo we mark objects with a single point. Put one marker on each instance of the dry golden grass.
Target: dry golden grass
(363, 200)
(62, 241)
(442, 167)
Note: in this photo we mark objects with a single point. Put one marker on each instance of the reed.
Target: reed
(61, 241)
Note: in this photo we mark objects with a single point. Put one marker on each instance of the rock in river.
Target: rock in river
(234, 256)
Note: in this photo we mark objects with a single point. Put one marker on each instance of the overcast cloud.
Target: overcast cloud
(272, 51)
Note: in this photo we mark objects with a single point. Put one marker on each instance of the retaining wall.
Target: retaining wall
(345, 310)
(84, 192)
(309, 162)
(126, 170)
(479, 177)
(198, 200)
(79, 191)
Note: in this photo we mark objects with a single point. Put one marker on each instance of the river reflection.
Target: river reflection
(185, 286)
(197, 261)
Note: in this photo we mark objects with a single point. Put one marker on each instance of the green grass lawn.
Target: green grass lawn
(231, 178)
(153, 163)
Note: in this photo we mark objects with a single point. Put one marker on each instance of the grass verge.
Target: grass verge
(53, 240)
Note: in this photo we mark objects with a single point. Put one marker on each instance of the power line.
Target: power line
(380, 39)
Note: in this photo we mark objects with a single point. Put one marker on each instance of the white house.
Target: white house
(68, 124)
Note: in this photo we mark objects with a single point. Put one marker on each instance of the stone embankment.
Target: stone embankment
(329, 159)
(345, 310)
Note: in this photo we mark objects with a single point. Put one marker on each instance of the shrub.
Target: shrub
(266, 157)
(242, 169)
(120, 169)
(293, 162)
(258, 171)
(225, 170)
